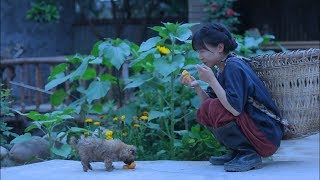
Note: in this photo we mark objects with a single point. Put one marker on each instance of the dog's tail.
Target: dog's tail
(73, 141)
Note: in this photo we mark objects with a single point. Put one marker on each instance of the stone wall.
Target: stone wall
(195, 11)
(24, 38)
(85, 38)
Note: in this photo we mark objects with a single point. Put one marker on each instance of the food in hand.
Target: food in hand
(187, 75)
(130, 166)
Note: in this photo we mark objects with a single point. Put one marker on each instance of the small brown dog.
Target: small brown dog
(96, 149)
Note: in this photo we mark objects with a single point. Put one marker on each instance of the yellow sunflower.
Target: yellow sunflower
(144, 118)
(89, 120)
(163, 50)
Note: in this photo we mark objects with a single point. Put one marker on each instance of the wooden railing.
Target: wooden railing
(26, 78)
(293, 45)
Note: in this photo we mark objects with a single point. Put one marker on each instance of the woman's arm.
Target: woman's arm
(221, 94)
(206, 74)
(201, 93)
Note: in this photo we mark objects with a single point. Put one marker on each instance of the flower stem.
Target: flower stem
(172, 120)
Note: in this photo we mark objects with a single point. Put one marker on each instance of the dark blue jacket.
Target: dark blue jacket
(240, 81)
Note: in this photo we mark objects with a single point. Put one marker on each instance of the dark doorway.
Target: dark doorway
(288, 20)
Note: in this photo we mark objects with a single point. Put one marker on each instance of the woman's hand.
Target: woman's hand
(205, 73)
(187, 82)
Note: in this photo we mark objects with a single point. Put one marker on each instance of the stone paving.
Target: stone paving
(296, 159)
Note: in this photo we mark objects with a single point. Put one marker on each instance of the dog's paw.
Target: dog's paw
(110, 168)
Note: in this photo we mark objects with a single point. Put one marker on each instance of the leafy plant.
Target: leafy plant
(5, 101)
(221, 11)
(157, 67)
(165, 60)
(5, 111)
(251, 45)
(54, 126)
(5, 134)
(198, 144)
(89, 77)
(43, 11)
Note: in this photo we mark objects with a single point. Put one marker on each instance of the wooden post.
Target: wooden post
(38, 94)
(22, 95)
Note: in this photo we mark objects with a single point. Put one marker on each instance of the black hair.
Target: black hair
(214, 34)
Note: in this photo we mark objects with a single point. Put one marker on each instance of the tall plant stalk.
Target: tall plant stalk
(172, 119)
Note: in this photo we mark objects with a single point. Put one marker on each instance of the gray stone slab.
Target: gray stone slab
(296, 159)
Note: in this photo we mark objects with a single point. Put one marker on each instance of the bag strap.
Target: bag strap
(269, 113)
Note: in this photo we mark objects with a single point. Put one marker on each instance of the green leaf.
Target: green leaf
(77, 129)
(171, 27)
(143, 56)
(77, 104)
(48, 123)
(95, 49)
(153, 126)
(66, 116)
(183, 34)
(61, 135)
(57, 97)
(138, 81)
(97, 90)
(251, 42)
(116, 54)
(129, 110)
(125, 48)
(196, 131)
(23, 138)
(159, 153)
(182, 132)
(64, 150)
(97, 60)
(77, 58)
(33, 126)
(155, 114)
(57, 70)
(210, 145)
(150, 43)
(77, 73)
(191, 141)
(163, 32)
(55, 82)
(97, 107)
(195, 102)
(157, 28)
(177, 143)
(108, 77)
(80, 70)
(90, 73)
(68, 111)
(188, 25)
(165, 68)
(34, 115)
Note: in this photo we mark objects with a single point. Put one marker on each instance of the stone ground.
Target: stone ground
(296, 159)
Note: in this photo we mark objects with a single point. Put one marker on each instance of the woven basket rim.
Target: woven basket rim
(299, 53)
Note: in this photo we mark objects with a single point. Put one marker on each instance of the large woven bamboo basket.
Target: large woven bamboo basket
(293, 80)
